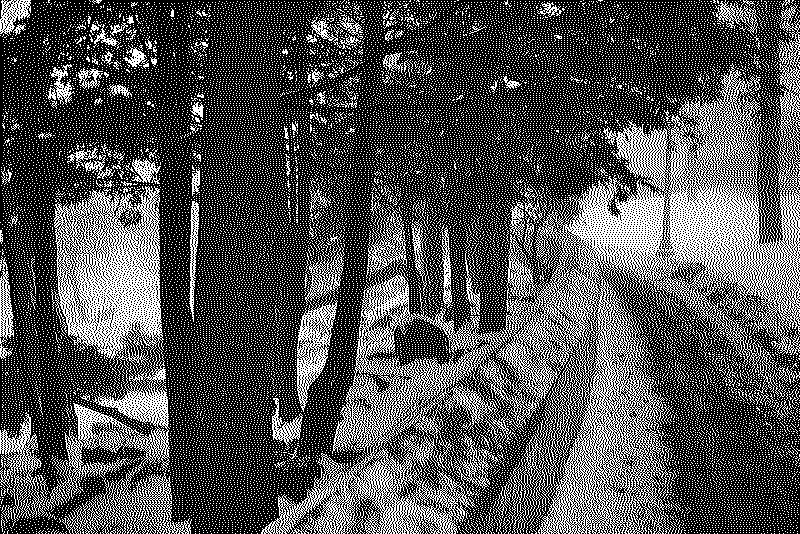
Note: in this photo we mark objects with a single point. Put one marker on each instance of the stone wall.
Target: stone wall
(433, 467)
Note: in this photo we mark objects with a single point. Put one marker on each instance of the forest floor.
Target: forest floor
(662, 448)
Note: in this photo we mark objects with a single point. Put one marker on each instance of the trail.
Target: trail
(616, 479)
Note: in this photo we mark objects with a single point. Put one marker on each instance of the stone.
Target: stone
(418, 337)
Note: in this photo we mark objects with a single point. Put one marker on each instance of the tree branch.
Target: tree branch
(395, 45)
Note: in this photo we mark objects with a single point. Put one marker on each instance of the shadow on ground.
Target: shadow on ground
(730, 474)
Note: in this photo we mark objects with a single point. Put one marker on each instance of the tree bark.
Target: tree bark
(431, 259)
(411, 273)
(49, 322)
(236, 280)
(19, 262)
(666, 240)
(536, 264)
(456, 239)
(174, 229)
(692, 171)
(327, 393)
(494, 287)
(768, 180)
(476, 250)
(292, 303)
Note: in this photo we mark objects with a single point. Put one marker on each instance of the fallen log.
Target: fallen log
(143, 427)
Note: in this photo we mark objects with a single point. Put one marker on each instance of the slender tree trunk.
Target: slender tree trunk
(691, 166)
(174, 229)
(456, 239)
(431, 260)
(292, 303)
(327, 393)
(770, 229)
(666, 241)
(412, 275)
(494, 290)
(535, 263)
(238, 247)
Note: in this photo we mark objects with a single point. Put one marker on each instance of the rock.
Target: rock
(418, 337)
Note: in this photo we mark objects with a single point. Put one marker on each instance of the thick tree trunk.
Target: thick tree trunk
(174, 229)
(494, 290)
(476, 250)
(19, 261)
(236, 279)
(456, 239)
(431, 259)
(327, 393)
(292, 303)
(411, 273)
(56, 311)
(768, 186)
(56, 406)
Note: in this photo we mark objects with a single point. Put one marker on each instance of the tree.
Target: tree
(171, 34)
(236, 274)
(47, 124)
(29, 235)
(768, 13)
(666, 242)
(431, 259)
(292, 303)
(411, 272)
(326, 395)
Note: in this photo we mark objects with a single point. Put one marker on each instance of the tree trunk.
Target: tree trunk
(174, 229)
(476, 250)
(412, 275)
(56, 405)
(768, 186)
(494, 290)
(56, 311)
(431, 260)
(236, 279)
(456, 239)
(292, 303)
(535, 263)
(691, 167)
(19, 262)
(327, 393)
(666, 241)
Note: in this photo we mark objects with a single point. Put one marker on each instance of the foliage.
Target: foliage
(70, 110)
(505, 91)
(80, 96)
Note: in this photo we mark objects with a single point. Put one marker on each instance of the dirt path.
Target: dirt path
(616, 479)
